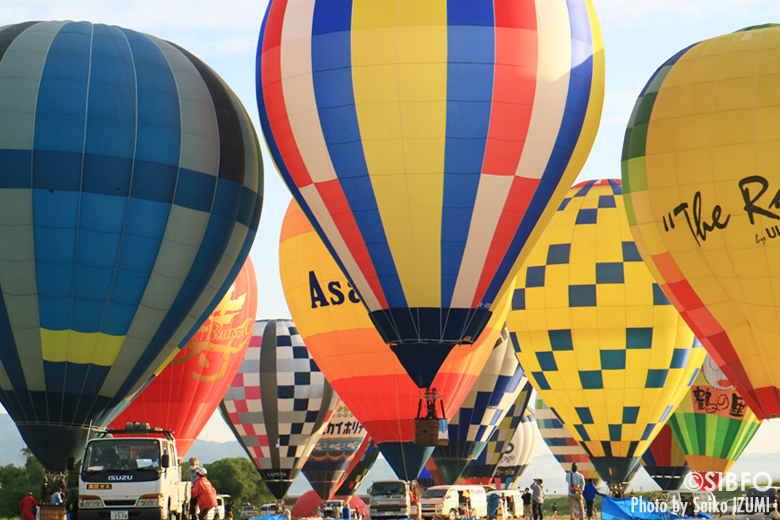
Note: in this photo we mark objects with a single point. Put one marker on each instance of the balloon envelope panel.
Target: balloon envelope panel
(481, 469)
(358, 468)
(699, 169)
(357, 362)
(562, 444)
(278, 403)
(406, 146)
(486, 405)
(664, 460)
(519, 452)
(131, 191)
(713, 424)
(332, 454)
(184, 396)
(596, 336)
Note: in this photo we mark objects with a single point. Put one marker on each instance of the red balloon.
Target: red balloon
(307, 505)
(184, 396)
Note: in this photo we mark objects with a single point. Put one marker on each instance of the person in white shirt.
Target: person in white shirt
(576, 483)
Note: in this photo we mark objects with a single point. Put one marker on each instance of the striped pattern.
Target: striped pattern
(664, 460)
(331, 456)
(278, 403)
(183, 397)
(354, 358)
(713, 424)
(131, 188)
(562, 444)
(596, 336)
(518, 454)
(485, 406)
(704, 124)
(425, 139)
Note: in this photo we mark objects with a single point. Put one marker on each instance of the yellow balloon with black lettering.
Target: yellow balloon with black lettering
(596, 336)
(703, 199)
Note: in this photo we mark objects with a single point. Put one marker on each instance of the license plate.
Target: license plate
(119, 515)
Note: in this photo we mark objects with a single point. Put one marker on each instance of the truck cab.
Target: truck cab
(391, 499)
(132, 477)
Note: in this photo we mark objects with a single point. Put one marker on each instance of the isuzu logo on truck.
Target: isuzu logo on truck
(120, 477)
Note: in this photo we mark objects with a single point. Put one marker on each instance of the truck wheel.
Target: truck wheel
(453, 514)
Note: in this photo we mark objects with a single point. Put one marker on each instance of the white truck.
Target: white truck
(135, 476)
(392, 499)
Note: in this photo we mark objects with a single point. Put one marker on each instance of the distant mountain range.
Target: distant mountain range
(543, 466)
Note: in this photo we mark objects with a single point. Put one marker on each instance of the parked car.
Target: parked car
(248, 511)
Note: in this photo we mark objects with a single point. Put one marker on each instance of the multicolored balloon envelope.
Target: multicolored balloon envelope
(357, 362)
(188, 391)
(424, 140)
(130, 187)
(595, 334)
(278, 403)
(485, 406)
(664, 460)
(700, 171)
(562, 444)
(332, 454)
(713, 424)
(358, 468)
(519, 452)
(480, 471)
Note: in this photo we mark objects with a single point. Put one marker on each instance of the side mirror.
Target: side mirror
(369, 489)
(71, 463)
(166, 461)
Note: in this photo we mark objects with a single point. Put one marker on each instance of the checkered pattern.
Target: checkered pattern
(518, 453)
(486, 404)
(563, 446)
(484, 466)
(289, 422)
(595, 334)
(489, 400)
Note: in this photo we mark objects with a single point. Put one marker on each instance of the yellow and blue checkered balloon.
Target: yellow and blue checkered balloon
(595, 334)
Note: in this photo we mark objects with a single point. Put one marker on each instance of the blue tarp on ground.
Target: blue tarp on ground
(637, 509)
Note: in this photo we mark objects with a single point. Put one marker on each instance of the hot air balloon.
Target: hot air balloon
(325, 467)
(664, 460)
(518, 454)
(713, 424)
(424, 142)
(562, 444)
(595, 335)
(131, 188)
(358, 468)
(481, 469)
(184, 396)
(486, 405)
(278, 403)
(701, 196)
(354, 358)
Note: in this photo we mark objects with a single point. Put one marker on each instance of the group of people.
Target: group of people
(60, 497)
(579, 490)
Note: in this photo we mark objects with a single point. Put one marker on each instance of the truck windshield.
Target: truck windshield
(122, 454)
(388, 488)
(435, 493)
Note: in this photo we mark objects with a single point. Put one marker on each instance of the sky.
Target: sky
(639, 35)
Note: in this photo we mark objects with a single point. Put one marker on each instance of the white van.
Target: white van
(513, 500)
(692, 500)
(449, 501)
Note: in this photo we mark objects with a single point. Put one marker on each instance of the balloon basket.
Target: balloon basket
(431, 432)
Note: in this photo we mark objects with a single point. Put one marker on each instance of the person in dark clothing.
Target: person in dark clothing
(589, 494)
(527, 504)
